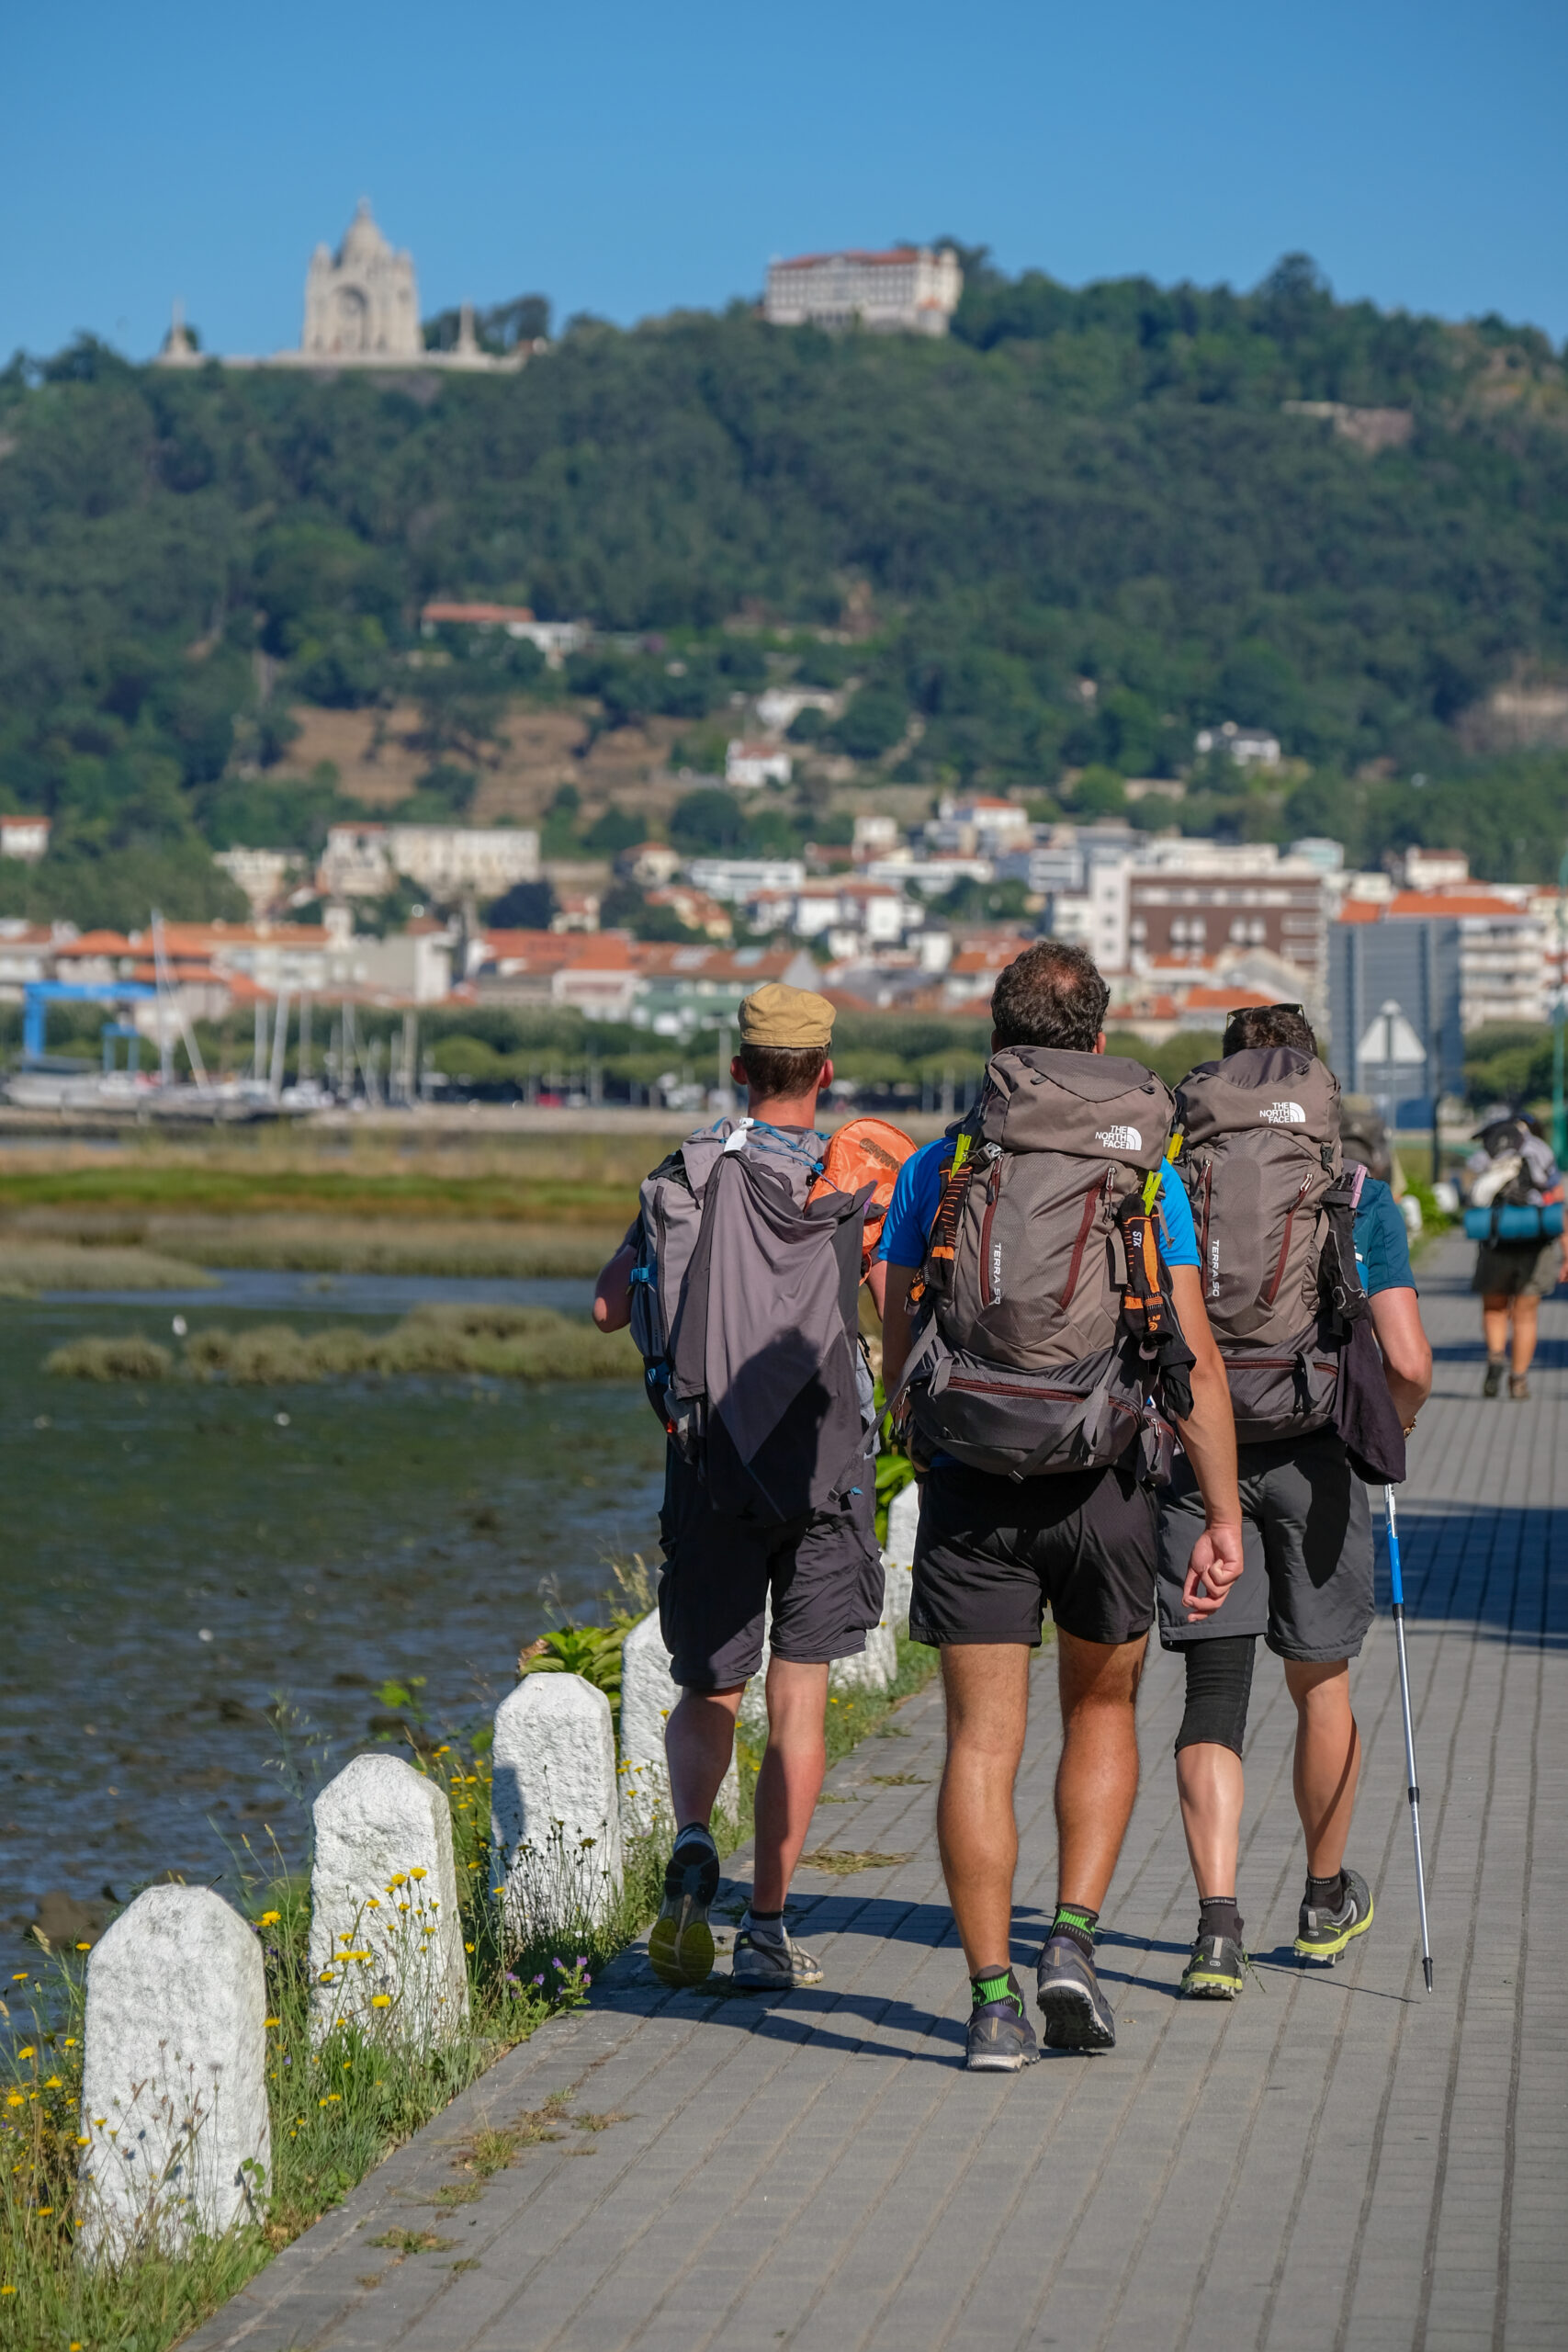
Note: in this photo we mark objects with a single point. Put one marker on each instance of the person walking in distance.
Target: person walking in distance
(1032, 1260)
(740, 1278)
(1260, 1150)
(1512, 1167)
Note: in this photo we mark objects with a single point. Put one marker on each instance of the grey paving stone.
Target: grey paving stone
(1334, 2160)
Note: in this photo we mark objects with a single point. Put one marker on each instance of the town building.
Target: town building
(554, 639)
(448, 861)
(778, 707)
(1431, 870)
(1503, 949)
(1248, 746)
(908, 290)
(750, 765)
(264, 875)
(25, 838)
(1175, 916)
(734, 879)
(361, 310)
(978, 827)
(649, 864)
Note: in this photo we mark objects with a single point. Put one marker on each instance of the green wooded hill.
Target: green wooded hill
(1102, 485)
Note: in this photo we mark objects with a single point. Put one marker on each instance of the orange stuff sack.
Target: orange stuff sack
(865, 1151)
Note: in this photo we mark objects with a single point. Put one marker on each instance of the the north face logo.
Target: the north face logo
(1283, 1115)
(1120, 1139)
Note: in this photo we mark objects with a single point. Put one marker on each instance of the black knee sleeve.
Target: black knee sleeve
(1219, 1684)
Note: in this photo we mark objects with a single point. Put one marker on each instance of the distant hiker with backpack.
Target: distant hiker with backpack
(1306, 1278)
(1041, 1303)
(1523, 1251)
(740, 1280)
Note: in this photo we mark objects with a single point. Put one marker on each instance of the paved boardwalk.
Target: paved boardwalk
(1334, 2161)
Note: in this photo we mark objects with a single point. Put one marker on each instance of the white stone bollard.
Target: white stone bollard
(174, 2079)
(649, 1692)
(898, 1586)
(555, 1817)
(903, 1518)
(385, 1931)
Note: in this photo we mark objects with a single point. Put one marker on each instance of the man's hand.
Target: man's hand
(1217, 1561)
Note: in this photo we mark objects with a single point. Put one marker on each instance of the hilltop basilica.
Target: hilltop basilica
(361, 310)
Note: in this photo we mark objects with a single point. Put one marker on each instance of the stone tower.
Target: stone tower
(361, 303)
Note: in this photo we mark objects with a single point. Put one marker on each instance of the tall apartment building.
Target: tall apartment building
(1181, 916)
(910, 290)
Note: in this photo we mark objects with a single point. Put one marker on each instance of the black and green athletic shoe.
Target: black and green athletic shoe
(680, 1945)
(1078, 2015)
(1216, 1971)
(1323, 1935)
(1001, 2040)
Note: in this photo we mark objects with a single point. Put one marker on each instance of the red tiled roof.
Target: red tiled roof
(1360, 910)
(445, 612)
(1441, 903)
(854, 252)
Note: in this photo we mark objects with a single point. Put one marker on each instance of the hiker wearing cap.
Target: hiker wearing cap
(1042, 1314)
(1308, 1290)
(1514, 1214)
(741, 1278)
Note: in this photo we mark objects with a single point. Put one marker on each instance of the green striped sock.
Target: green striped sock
(995, 1984)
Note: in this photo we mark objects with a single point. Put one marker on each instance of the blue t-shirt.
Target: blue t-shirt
(915, 1195)
(1382, 1246)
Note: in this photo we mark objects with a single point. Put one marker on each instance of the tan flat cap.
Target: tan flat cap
(798, 1018)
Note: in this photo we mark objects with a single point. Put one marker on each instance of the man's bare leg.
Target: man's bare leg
(790, 1780)
(1210, 1783)
(1097, 1779)
(699, 1740)
(987, 1687)
(1328, 1759)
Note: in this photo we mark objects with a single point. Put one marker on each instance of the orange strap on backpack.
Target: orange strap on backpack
(865, 1151)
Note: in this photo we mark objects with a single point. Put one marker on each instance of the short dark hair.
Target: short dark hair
(1052, 996)
(783, 1070)
(1268, 1024)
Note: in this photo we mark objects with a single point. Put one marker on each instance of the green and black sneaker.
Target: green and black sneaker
(1001, 2040)
(1216, 1969)
(680, 1945)
(1323, 1934)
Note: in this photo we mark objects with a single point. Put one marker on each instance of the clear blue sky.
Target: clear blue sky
(630, 160)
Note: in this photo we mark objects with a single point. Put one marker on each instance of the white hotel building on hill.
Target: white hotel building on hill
(910, 290)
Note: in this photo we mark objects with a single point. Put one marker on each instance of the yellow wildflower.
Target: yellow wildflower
(419, 1874)
(8, 2290)
(54, 2084)
(380, 2000)
(15, 2098)
(84, 2138)
(27, 2051)
(272, 2020)
(399, 1878)
(270, 1918)
(44, 2211)
(84, 1947)
(70, 2042)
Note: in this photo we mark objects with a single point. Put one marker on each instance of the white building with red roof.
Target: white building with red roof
(907, 289)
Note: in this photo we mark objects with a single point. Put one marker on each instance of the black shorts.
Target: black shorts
(992, 1552)
(1307, 1544)
(821, 1571)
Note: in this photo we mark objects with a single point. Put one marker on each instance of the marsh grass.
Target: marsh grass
(340, 2105)
(529, 1343)
(30, 1266)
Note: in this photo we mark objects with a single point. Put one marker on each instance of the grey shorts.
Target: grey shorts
(1527, 1269)
(1307, 1544)
(822, 1572)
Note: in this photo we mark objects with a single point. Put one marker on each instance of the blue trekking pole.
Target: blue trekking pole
(1413, 1790)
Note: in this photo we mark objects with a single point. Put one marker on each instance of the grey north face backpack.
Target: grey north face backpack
(1273, 1218)
(1044, 1327)
(744, 1309)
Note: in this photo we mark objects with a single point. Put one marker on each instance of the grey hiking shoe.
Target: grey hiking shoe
(1493, 1380)
(773, 1963)
(1001, 2040)
(680, 1945)
(1077, 2013)
(1216, 1969)
(1323, 1935)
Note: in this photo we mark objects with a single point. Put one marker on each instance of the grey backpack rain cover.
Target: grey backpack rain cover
(744, 1309)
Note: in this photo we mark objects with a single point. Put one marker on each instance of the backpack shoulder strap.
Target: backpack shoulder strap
(942, 1241)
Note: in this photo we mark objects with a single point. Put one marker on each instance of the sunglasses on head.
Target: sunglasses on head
(1299, 1009)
